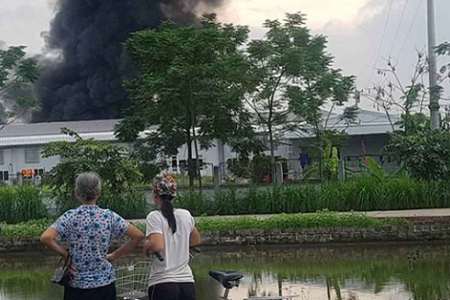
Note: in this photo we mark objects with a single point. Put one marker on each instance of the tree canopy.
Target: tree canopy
(293, 80)
(17, 72)
(118, 171)
(190, 87)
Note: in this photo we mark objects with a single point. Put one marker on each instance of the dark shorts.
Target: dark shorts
(172, 291)
(107, 292)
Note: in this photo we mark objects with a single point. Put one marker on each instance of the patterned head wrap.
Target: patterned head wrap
(165, 185)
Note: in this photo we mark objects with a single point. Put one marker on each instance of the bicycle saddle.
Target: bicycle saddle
(228, 279)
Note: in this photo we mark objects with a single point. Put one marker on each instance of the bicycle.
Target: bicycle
(231, 279)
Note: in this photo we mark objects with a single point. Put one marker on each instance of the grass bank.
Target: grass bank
(282, 222)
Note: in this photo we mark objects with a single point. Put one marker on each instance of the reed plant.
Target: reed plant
(357, 194)
(18, 204)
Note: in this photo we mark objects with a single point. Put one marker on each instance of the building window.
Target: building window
(183, 165)
(32, 156)
(200, 162)
(174, 164)
(4, 175)
(2, 158)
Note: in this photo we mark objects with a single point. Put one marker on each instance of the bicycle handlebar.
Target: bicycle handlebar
(195, 249)
(159, 257)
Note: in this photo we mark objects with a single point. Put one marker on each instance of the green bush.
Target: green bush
(118, 171)
(19, 204)
(358, 194)
(29, 228)
(283, 222)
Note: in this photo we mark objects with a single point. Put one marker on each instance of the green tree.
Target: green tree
(297, 77)
(118, 171)
(190, 88)
(16, 73)
(425, 154)
(275, 64)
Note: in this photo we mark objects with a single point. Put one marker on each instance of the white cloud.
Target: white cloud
(320, 12)
(22, 21)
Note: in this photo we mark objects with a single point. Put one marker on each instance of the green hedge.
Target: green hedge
(19, 204)
(298, 221)
(359, 194)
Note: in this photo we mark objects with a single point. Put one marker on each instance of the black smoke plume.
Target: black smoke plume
(85, 82)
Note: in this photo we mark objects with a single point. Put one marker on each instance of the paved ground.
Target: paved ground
(440, 212)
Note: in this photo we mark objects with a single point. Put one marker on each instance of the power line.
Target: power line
(410, 29)
(399, 27)
(381, 44)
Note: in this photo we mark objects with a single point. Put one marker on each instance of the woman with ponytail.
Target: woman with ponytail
(170, 232)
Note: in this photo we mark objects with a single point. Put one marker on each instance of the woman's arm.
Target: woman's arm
(154, 243)
(194, 239)
(135, 235)
(48, 239)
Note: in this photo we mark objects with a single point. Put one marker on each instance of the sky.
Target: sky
(355, 29)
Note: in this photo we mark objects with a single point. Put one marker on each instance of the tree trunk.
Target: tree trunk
(321, 152)
(191, 171)
(272, 155)
(197, 163)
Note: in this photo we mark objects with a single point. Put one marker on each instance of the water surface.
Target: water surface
(349, 273)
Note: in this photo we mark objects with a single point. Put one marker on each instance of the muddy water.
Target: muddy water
(352, 272)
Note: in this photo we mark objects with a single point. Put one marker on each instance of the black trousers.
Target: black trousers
(172, 291)
(107, 292)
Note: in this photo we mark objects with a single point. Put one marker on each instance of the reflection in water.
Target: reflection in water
(346, 273)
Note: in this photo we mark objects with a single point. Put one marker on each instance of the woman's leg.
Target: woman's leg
(108, 292)
(102, 293)
(164, 291)
(70, 293)
(187, 291)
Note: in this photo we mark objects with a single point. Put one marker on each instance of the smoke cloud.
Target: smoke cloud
(85, 81)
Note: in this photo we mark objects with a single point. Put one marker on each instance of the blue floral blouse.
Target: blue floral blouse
(88, 230)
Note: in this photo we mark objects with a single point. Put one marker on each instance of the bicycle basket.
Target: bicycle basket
(132, 281)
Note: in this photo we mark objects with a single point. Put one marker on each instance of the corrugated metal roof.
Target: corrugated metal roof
(369, 122)
(44, 139)
(54, 128)
(363, 129)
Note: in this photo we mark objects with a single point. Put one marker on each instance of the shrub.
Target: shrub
(283, 222)
(29, 228)
(19, 204)
(119, 172)
(425, 154)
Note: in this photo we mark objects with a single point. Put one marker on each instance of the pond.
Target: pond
(419, 272)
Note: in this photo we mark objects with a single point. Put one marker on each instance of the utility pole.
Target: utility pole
(434, 89)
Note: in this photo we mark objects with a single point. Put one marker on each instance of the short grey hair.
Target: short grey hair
(88, 186)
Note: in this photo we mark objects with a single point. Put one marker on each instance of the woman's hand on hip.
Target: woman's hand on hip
(111, 257)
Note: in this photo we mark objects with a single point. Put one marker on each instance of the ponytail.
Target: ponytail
(167, 211)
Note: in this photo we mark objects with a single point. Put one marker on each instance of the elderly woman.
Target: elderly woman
(88, 231)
